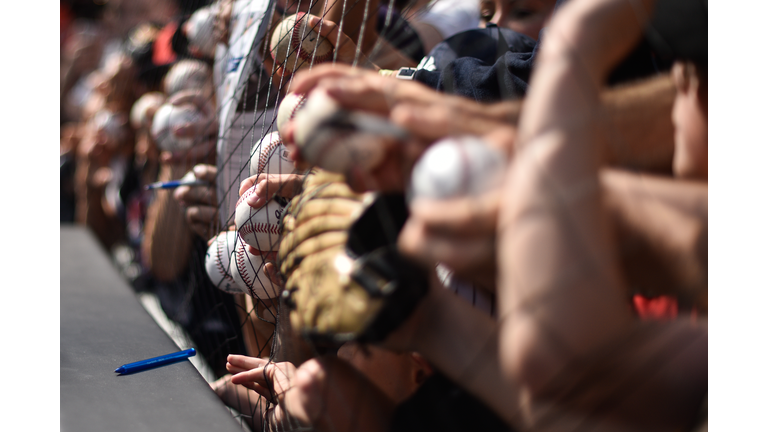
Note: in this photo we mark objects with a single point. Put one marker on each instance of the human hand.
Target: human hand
(393, 161)
(345, 50)
(273, 381)
(70, 138)
(458, 232)
(203, 132)
(303, 393)
(100, 178)
(199, 202)
(82, 50)
(95, 147)
(425, 114)
(271, 185)
(359, 89)
(201, 152)
(204, 104)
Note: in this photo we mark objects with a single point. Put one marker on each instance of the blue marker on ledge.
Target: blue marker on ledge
(154, 362)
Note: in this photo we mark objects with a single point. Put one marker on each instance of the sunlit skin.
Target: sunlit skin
(690, 118)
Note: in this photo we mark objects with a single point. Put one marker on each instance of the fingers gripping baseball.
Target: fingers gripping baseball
(203, 104)
(345, 48)
(459, 232)
(193, 196)
(270, 185)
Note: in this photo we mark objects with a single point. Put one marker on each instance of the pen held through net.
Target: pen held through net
(176, 183)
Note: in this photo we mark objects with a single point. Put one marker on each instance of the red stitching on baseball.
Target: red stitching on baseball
(219, 266)
(265, 153)
(296, 42)
(245, 195)
(242, 269)
(299, 104)
(259, 227)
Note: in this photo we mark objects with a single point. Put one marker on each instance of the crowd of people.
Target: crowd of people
(568, 293)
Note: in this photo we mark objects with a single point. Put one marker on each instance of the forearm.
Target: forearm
(688, 197)
(640, 129)
(68, 80)
(343, 399)
(661, 228)
(257, 334)
(91, 207)
(167, 239)
(462, 342)
(560, 288)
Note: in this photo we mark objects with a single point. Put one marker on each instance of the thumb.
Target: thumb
(205, 172)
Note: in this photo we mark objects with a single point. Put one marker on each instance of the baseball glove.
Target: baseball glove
(343, 273)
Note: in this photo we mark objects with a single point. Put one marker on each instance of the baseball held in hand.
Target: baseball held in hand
(248, 272)
(217, 262)
(189, 74)
(168, 118)
(259, 227)
(457, 166)
(289, 107)
(294, 45)
(144, 109)
(270, 156)
(332, 148)
(199, 31)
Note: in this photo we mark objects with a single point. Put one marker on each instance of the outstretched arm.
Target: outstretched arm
(567, 333)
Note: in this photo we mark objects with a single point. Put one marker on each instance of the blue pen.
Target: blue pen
(155, 362)
(176, 183)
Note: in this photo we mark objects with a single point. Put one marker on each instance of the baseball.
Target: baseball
(199, 31)
(169, 117)
(143, 109)
(217, 262)
(289, 106)
(111, 124)
(332, 148)
(457, 166)
(258, 227)
(295, 46)
(248, 272)
(189, 74)
(270, 156)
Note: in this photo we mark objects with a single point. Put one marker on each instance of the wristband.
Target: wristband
(406, 73)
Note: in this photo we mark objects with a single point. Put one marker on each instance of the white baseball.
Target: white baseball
(148, 102)
(199, 30)
(110, 123)
(270, 156)
(217, 262)
(457, 166)
(169, 117)
(295, 46)
(248, 273)
(189, 74)
(331, 149)
(259, 227)
(289, 106)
